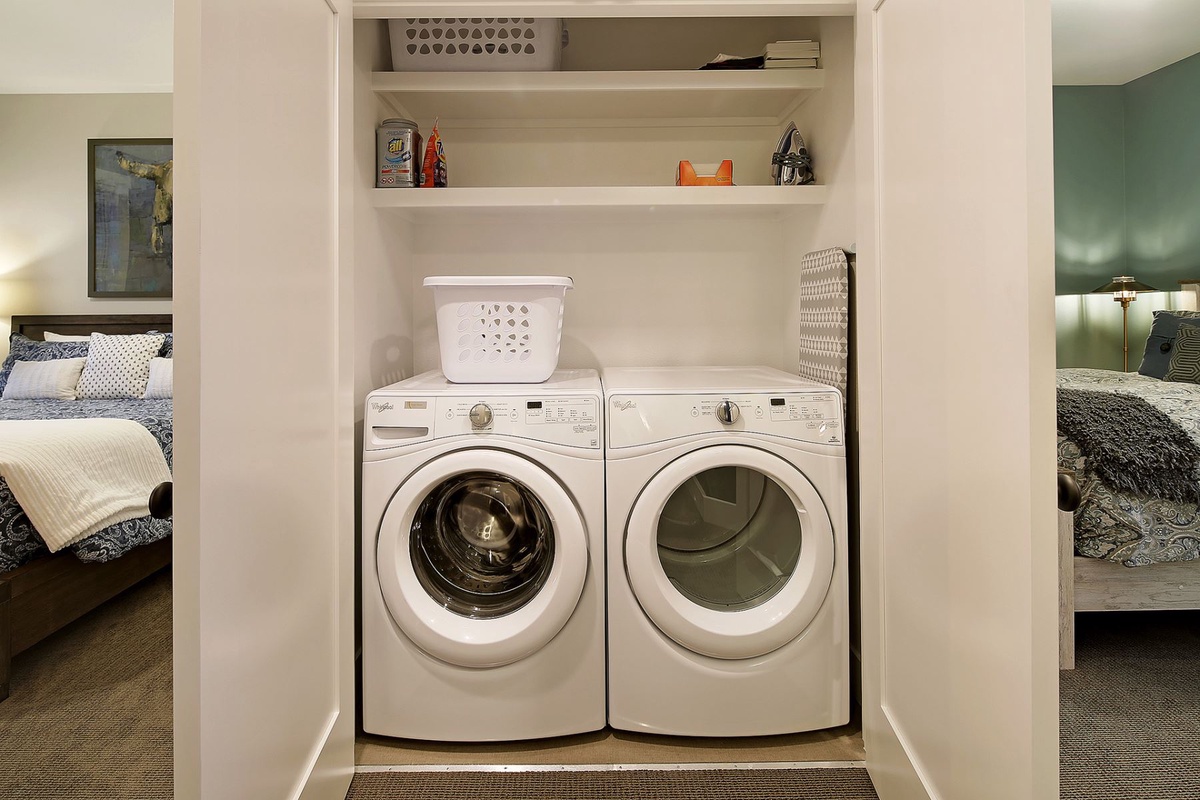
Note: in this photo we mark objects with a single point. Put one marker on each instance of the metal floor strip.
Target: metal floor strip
(690, 766)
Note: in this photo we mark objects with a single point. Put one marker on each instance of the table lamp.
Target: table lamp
(1124, 290)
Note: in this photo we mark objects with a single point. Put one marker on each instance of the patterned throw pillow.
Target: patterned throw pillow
(43, 380)
(22, 348)
(168, 348)
(118, 366)
(1161, 341)
(1185, 356)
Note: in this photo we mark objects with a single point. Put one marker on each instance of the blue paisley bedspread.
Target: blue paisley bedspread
(1133, 529)
(20, 543)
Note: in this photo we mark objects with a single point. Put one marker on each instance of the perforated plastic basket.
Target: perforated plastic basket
(479, 44)
(499, 329)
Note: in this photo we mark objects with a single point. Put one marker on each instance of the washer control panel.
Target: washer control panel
(638, 419)
(569, 421)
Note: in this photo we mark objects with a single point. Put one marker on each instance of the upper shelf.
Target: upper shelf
(677, 201)
(386, 9)
(755, 97)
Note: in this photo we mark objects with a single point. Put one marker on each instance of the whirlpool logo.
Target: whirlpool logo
(623, 405)
(378, 407)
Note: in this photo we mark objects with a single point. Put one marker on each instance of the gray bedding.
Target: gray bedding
(20, 543)
(1132, 528)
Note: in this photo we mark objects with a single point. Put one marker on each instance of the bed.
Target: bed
(1125, 550)
(42, 592)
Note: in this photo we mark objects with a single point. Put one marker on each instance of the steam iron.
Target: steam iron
(790, 164)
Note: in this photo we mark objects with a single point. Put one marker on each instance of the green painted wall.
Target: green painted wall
(1089, 186)
(1127, 201)
(1162, 169)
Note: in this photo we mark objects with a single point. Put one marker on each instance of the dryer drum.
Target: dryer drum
(482, 544)
(729, 538)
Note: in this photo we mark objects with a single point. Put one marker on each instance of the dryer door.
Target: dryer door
(481, 557)
(730, 551)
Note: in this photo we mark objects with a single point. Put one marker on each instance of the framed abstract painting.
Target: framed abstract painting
(129, 217)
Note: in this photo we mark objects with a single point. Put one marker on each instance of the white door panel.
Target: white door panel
(956, 422)
(264, 534)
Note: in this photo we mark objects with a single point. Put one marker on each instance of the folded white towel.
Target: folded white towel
(74, 477)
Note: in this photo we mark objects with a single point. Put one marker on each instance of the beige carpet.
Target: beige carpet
(90, 712)
(1130, 710)
(814, 784)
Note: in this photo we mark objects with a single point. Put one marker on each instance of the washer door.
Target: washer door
(730, 551)
(481, 557)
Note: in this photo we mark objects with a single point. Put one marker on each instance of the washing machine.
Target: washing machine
(728, 602)
(482, 559)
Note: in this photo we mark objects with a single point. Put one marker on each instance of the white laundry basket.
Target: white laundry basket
(518, 44)
(499, 329)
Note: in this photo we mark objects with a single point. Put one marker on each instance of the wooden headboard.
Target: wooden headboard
(33, 326)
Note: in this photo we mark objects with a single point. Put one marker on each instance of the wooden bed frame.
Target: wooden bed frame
(48, 593)
(1093, 584)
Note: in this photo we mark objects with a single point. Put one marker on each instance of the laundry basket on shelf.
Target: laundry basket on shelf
(481, 44)
(499, 329)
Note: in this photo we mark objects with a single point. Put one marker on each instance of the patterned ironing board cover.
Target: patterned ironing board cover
(825, 318)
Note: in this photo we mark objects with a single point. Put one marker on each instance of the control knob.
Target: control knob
(481, 415)
(727, 412)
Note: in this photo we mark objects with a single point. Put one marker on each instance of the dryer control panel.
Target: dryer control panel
(638, 419)
(570, 421)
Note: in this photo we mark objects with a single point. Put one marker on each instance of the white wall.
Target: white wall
(43, 198)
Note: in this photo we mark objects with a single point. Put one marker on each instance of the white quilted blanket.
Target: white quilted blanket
(74, 477)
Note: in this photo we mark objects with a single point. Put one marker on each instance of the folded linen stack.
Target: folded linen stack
(792, 54)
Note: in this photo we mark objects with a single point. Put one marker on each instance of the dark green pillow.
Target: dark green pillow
(1185, 356)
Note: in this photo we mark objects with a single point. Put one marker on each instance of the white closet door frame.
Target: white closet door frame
(955, 325)
(264, 440)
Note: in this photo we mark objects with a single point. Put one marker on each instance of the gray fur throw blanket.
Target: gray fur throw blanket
(1130, 445)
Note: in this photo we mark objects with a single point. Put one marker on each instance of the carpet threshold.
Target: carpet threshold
(848, 783)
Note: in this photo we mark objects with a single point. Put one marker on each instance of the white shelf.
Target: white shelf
(388, 9)
(754, 97)
(677, 201)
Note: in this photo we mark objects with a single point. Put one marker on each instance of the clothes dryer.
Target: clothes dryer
(482, 556)
(728, 601)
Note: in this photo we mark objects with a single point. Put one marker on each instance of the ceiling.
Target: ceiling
(79, 46)
(83, 46)
(1111, 42)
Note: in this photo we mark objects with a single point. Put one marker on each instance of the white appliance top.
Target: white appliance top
(566, 411)
(653, 406)
(693, 380)
(563, 381)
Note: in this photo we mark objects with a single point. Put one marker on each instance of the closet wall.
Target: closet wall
(655, 284)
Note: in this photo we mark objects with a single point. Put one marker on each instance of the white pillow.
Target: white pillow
(162, 378)
(118, 366)
(51, 336)
(43, 380)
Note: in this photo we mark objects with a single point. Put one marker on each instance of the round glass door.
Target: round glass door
(481, 557)
(482, 544)
(729, 538)
(730, 551)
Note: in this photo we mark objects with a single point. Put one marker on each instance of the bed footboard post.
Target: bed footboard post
(5, 637)
(1069, 499)
(1066, 590)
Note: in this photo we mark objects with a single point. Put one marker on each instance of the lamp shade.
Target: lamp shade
(1123, 284)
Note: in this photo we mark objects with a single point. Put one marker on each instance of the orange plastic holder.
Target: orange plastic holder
(686, 176)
